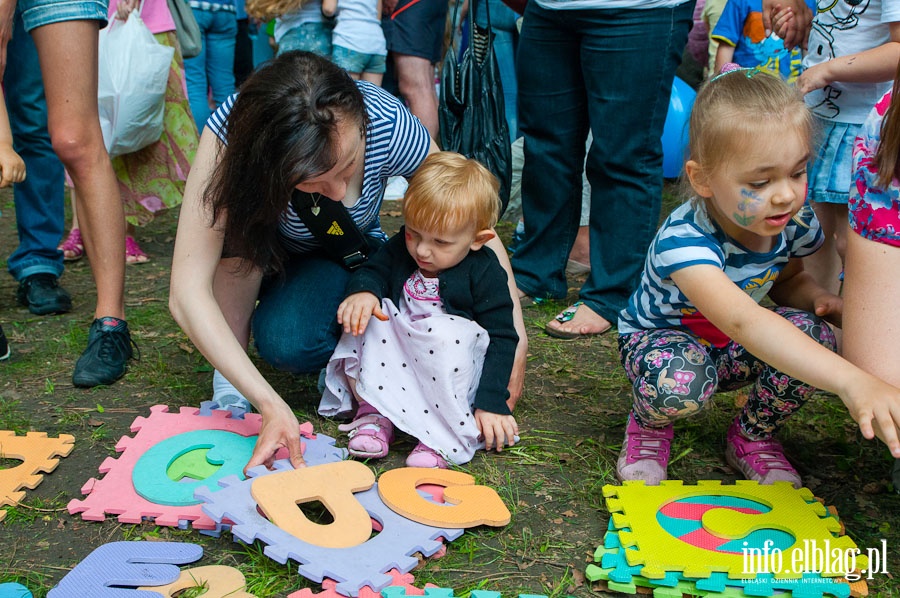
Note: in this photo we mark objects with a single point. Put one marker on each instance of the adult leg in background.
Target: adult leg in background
(39, 199)
(554, 122)
(415, 35)
(626, 183)
(64, 48)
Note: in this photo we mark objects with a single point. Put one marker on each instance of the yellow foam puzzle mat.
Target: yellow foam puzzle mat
(709, 528)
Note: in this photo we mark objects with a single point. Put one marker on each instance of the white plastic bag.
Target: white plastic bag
(133, 73)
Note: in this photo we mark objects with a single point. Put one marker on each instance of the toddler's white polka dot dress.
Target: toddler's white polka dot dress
(420, 369)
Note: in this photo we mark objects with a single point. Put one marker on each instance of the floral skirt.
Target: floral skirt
(152, 179)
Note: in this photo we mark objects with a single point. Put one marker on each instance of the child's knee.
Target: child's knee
(673, 393)
(812, 325)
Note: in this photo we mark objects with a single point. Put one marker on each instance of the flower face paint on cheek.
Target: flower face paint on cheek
(747, 208)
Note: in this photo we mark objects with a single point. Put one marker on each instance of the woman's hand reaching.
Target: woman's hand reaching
(279, 429)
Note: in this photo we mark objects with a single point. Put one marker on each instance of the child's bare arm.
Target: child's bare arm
(796, 287)
(329, 7)
(873, 404)
(498, 430)
(12, 167)
(869, 66)
(724, 54)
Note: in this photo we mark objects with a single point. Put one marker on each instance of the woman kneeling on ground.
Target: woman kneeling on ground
(243, 258)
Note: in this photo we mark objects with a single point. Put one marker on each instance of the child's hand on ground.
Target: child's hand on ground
(12, 167)
(498, 430)
(829, 307)
(354, 312)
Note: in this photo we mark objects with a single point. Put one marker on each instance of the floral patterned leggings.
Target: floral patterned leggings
(674, 376)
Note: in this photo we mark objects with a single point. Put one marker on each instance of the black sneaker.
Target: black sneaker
(4, 346)
(108, 351)
(42, 294)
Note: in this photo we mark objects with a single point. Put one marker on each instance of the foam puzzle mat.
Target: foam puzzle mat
(711, 539)
(37, 454)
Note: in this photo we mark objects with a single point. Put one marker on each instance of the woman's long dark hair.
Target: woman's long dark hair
(282, 130)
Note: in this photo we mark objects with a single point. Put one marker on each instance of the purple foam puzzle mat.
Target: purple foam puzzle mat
(126, 565)
(353, 568)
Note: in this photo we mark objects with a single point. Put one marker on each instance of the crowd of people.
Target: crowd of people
(792, 166)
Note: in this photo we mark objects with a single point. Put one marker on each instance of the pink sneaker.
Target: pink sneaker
(760, 460)
(645, 453)
(370, 436)
(423, 456)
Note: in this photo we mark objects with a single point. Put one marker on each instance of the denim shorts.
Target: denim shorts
(309, 37)
(357, 62)
(36, 13)
(832, 164)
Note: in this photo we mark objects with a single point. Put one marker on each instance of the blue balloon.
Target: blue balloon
(675, 131)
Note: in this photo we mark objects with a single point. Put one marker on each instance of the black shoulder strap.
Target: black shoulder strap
(330, 223)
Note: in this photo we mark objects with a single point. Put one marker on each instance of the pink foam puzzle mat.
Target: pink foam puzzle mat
(714, 539)
(117, 569)
(139, 484)
(352, 568)
(38, 453)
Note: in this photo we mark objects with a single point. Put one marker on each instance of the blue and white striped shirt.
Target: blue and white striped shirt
(396, 144)
(689, 237)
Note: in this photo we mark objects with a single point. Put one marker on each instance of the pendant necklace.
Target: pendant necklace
(315, 208)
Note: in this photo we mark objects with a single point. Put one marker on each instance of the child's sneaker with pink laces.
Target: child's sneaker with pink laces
(760, 460)
(645, 453)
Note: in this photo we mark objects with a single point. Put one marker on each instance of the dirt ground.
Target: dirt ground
(572, 419)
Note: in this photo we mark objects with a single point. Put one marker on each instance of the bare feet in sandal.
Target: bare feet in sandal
(73, 246)
(133, 252)
(577, 321)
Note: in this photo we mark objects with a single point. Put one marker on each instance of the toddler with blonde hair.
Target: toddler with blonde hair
(429, 340)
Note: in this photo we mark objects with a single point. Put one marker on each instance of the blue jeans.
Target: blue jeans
(39, 201)
(612, 73)
(294, 325)
(213, 68)
(506, 37)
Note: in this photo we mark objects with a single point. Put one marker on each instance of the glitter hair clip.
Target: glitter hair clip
(730, 67)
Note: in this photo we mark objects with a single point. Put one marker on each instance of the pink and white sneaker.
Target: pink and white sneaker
(760, 460)
(645, 453)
